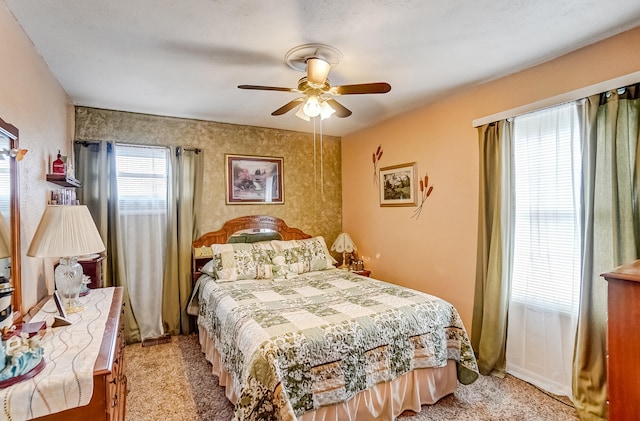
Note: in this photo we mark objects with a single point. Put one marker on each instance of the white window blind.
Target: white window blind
(546, 267)
(142, 179)
(546, 270)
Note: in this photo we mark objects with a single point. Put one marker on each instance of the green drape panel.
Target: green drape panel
(187, 171)
(611, 234)
(95, 164)
(495, 247)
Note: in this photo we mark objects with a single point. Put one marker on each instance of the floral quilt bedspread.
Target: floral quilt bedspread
(318, 339)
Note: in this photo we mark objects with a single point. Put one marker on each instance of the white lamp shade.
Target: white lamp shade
(65, 231)
(326, 110)
(343, 243)
(300, 113)
(311, 106)
(317, 71)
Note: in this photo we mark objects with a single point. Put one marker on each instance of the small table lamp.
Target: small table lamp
(66, 232)
(344, 244)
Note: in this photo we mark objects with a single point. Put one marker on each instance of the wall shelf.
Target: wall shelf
(63, 180)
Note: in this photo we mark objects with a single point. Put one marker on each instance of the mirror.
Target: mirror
(10, 215)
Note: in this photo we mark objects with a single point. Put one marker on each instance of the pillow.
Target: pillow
(242, 261)
(305, 255)
(253, 237)
(282, 270)
(208, 269)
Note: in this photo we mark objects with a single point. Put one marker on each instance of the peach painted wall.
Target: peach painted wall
(32, 100)
(437, 252)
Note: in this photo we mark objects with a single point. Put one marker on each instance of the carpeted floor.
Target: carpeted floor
(173, 382)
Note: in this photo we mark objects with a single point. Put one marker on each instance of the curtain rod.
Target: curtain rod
(86, 143)
(180, 149)
(575, 95)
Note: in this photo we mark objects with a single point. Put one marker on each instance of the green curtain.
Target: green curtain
(95, 163)
(611, 230)
(187, 169)
(495, 247)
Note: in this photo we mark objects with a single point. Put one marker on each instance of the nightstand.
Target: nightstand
(92, 267)
(363, 272)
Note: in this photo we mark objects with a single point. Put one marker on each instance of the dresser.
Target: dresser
(109, 380)
(623, 341)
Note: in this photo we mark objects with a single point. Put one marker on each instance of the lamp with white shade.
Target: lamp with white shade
(344, 244)
(66, 232)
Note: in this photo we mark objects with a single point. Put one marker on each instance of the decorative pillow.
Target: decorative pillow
(242, 261)
(305, 255)
(282, 270)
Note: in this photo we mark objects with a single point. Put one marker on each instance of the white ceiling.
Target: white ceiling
(185, 58)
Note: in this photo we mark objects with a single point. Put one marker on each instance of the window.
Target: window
(545, 283)
(546, 271)
(142, 179)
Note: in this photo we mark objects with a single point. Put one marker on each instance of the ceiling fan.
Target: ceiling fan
(318, 94)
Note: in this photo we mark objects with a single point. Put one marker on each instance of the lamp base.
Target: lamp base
(74, 309)
(68, 277)
(344, 265)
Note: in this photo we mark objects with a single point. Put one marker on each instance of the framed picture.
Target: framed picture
(59, 304)
(398, 185)
(254, 179)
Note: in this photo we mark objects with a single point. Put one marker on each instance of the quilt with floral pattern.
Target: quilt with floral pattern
(294, 345)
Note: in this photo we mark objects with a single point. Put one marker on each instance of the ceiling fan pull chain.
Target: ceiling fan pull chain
(315, 168)
(321, 162)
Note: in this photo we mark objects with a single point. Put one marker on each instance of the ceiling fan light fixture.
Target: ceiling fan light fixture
(326, 110)
(300, 113)
(315, 90)
(312, 106)
(317, 71)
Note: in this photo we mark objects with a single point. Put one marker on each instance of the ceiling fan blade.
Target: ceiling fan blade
(362, 88)
(341, 110)
(288, 106)
(267, 88)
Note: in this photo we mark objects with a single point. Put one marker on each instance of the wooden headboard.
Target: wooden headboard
(201, 253)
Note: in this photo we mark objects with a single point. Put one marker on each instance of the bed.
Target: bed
(291, 337)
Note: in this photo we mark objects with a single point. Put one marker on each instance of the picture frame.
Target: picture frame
(59, 304)
(62, 319)
(254, 180)
(397, 185)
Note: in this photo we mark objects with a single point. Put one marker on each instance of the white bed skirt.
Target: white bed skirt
(385, 401)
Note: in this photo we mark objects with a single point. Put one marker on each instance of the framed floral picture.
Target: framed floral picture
(398, 185)
(254, 179)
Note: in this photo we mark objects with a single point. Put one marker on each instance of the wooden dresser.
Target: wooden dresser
(109, 380)
(623, 341)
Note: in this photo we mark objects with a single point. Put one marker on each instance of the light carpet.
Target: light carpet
(173, 382)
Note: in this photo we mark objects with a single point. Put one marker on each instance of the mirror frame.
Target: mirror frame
(12, 132)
